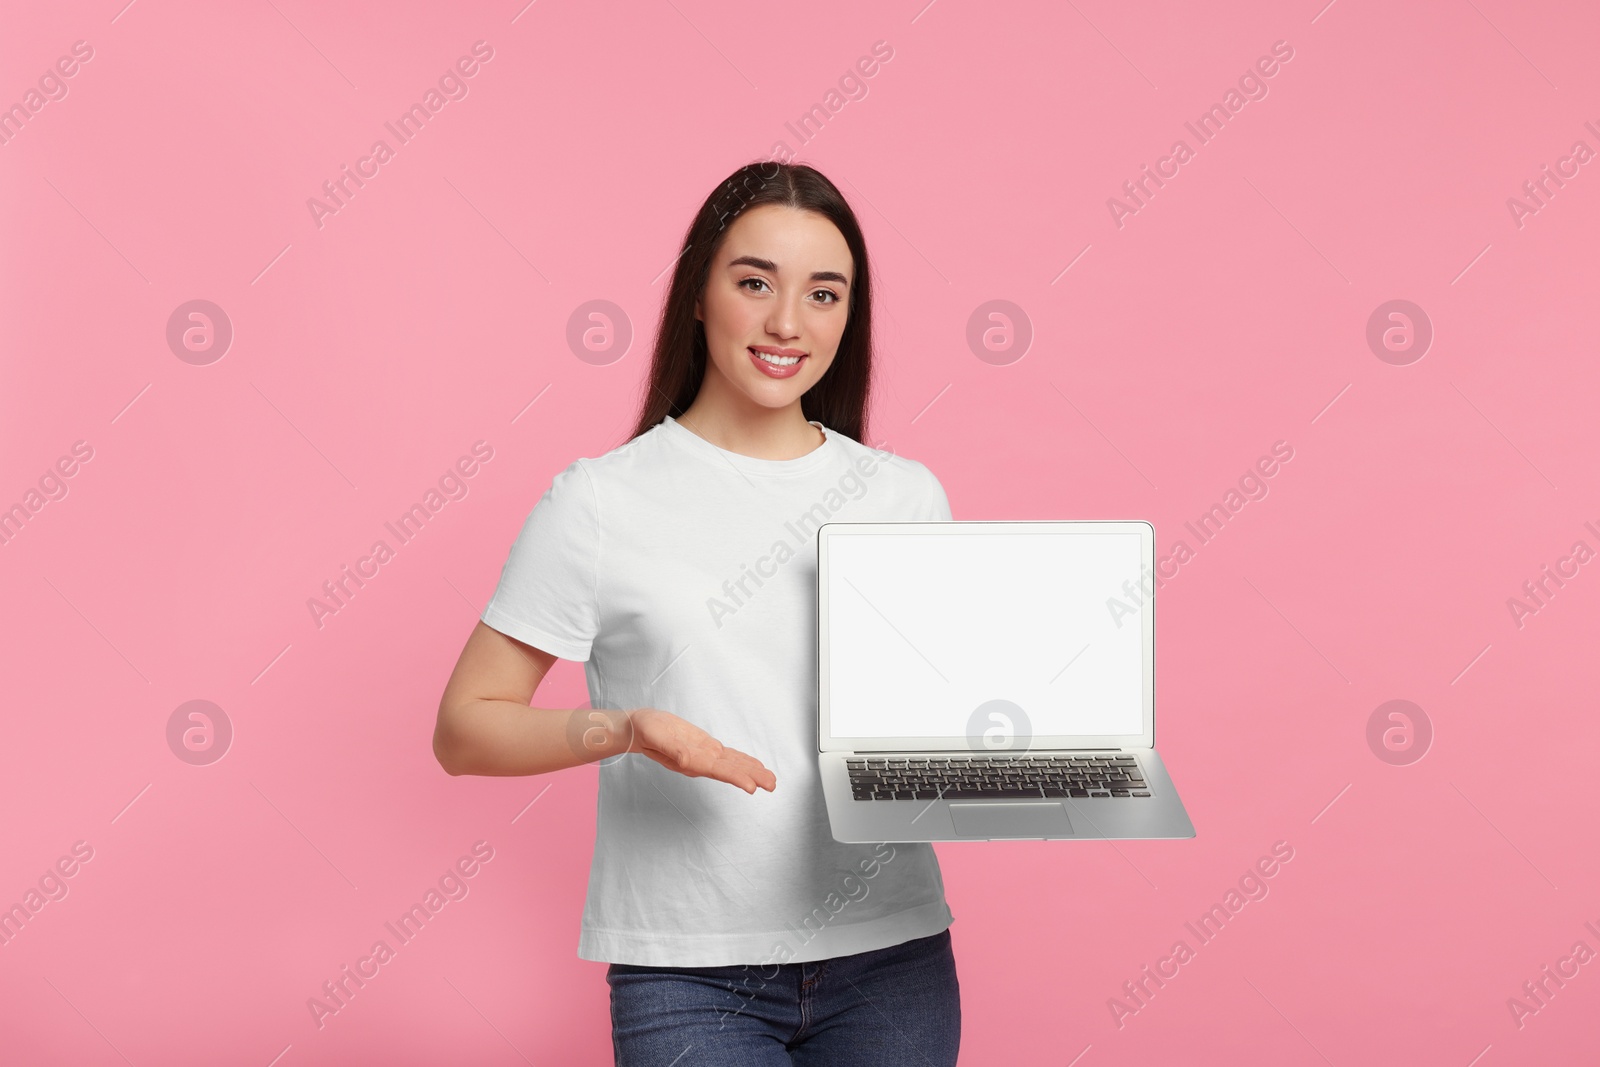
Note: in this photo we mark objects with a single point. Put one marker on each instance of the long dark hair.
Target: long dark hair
(678, 363)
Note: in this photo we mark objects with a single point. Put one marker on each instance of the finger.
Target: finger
(757, 775)
(721, 770)
(706, 757)
(747, 772)
(736, 754)
(755, 767)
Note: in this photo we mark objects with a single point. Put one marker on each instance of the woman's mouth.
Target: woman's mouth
(777, 362)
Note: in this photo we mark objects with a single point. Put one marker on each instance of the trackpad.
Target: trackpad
(1001, 818)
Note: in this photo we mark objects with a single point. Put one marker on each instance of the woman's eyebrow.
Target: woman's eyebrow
(771, 267)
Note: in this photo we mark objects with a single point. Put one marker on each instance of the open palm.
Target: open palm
(681, 746)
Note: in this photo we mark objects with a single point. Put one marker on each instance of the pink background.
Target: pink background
(1228, 313)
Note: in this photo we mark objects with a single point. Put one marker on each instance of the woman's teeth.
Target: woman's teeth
(777, 361)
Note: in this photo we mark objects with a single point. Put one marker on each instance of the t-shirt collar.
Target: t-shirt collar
(680, 435)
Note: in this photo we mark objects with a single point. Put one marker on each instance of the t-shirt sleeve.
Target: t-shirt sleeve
(547, 596)
(938, 506)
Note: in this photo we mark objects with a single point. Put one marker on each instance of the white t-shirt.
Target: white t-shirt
(685, 576)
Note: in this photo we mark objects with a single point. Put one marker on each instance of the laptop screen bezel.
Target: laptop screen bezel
(827, 742)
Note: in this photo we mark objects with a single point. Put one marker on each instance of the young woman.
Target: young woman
(680, 568)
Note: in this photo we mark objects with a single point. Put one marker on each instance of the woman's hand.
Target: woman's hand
(679, 745)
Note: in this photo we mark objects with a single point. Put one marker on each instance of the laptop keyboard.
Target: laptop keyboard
(990, 777)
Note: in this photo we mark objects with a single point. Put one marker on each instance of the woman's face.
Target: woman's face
(780, 283)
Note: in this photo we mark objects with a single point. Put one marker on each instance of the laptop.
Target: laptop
(990, 681)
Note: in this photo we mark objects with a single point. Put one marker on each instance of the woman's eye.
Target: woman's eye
(833, 297)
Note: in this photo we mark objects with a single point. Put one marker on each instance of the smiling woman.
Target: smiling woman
(787, 279)
(750, 435)
(755, 313)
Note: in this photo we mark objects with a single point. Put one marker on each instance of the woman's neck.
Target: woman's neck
(762, 433)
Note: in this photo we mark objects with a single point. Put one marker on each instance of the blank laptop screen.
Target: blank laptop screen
(927, 632)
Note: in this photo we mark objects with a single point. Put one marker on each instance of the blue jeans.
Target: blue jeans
(891, 1007)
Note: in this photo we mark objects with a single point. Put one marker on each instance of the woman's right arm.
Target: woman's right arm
(485, 725)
